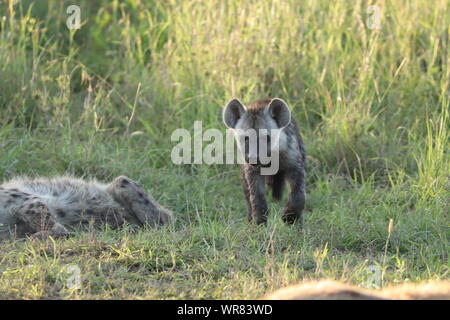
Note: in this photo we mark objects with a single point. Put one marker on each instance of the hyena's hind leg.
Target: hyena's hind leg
(138, 202)
(34, 219)
(276, 184)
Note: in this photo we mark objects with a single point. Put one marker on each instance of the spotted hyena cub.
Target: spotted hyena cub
(41, 207)
(273, 152)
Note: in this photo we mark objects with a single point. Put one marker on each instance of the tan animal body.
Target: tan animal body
(333, 290)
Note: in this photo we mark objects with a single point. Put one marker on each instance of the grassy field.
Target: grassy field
(372, 102)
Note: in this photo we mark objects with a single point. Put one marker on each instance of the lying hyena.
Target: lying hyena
(41, 207)
(333, 290)
(278, 137)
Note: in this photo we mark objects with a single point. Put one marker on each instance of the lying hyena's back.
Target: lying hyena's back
(28, 206)
(61, 192)
(65, 194)
(68, 200)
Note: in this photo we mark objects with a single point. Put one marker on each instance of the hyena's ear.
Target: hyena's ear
(232, 113)
(280, 112)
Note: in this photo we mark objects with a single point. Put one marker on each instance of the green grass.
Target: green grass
(372, 105)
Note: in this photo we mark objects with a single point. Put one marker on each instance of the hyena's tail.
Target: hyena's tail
(276, 183)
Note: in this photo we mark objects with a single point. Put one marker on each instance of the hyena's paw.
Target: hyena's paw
(293, 211)
(258, 220)
(291, 218)
(293, 214)
(34, 217)
(58, 231)
(138, 201)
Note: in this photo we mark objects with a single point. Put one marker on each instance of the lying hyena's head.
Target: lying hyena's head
(258, 128)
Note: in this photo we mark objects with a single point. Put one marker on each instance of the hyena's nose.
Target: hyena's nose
(253, 160)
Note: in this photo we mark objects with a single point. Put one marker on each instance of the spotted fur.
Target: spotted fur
(56, 206)
(267, 115)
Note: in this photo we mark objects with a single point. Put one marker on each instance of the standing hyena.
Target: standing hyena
(40, 207)
(275, 139)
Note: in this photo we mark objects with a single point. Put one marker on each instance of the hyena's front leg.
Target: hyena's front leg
(138, 202)
(297, 196)
(246, 189)
(35, 219)
(257, 197)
